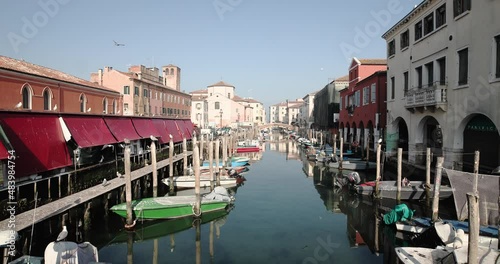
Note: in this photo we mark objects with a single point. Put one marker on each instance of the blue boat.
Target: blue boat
(234, 163)
(490, 231)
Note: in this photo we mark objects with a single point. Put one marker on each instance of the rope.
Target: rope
(194, 213)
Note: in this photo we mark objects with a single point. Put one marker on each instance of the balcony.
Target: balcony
(430, 97)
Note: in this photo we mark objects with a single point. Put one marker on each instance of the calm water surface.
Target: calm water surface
(280, 216)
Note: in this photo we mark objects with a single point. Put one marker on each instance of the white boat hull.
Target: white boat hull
(189, 181)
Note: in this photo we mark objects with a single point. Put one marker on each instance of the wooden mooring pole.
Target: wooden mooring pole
(128, 186)
(473, 204)
(476, 171)
(171, 164)
(155, 170)
(217, 171)
(196, 160)
(437, 186)
(341, 152)
(334, 144)
(377, 173)
(184, 155)
(211, 162)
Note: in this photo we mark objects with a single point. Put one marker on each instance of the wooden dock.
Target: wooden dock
(25, 219)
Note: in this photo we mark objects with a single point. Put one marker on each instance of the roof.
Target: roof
(37, 70)
(344, 78)
(203, 91)
(373, 61)
(221, 83)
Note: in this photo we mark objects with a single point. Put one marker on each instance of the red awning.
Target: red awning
(3, 152)
(145, 127)
(189, 127)
(122, 128)
(182, 129)
(162, 129)
(37, 140)
(89, 131)
(173, 130)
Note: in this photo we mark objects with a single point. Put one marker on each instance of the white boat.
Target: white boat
(189, 181)
(415, 190)
(356, 165)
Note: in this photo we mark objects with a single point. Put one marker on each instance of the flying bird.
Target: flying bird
(18, 105)
(118, 44)
(63, 234)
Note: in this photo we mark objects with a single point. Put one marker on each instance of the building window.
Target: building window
(340, 103)
(430, 73)
(27, 94)
(104, 105)
(172, 71)
(393, 87)
(229, 95)
(460, 6)
(418, 30)
(405, 83)
(391, 48)
(366, 95)
(145, 93)
(441, 16)
(198, 106)
(125, 107)
(83, 103)
(497, 61)
(442, 70)
(217, 105)
(114, 107)
(373, 92)
(429, 24)
(463, 66)
(47, 99)
(136, 91)
(405, 39)
(418, 70)
(126, 89)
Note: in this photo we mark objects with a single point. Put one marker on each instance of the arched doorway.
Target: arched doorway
(362, 137)
(371, 135)
(403, 137)
(481, 134)
(432, 138)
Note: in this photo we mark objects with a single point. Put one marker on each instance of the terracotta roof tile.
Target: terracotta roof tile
(373, 61)
(221, 83)
(33, 69)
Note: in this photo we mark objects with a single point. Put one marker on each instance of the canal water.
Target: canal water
(287, 211)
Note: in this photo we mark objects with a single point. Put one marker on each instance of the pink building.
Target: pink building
(146, 92)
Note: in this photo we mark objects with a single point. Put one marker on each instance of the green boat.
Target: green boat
(161, 228)
(169, 207)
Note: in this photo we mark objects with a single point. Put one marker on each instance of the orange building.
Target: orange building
(30, 87)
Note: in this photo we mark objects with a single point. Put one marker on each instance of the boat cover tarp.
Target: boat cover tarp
(488, 194)
(401, 212)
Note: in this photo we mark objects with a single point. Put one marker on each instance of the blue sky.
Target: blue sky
(269, 50)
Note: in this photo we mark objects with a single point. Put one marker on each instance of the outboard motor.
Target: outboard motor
(354, 178)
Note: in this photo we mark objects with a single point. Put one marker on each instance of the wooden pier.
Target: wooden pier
(25, 219)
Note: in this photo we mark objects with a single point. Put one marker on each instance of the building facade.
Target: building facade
(443, 81)
(147, 93)
(224, 108)
(326, 105)
(30, 87)
(363, 110)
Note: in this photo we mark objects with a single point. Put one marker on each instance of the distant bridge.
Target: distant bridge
(290, 127)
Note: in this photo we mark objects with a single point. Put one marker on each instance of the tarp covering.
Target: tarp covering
(3, 150)
(182, 129)
(401, 212)
(188, 125)
(37, 140)
(89, 131)
(488, 194)
(145, 127)
(122, 128)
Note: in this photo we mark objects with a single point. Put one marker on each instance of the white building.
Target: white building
(219, 106)
(443, 80)
(306, 117)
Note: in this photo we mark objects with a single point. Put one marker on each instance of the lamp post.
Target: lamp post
(221, 118)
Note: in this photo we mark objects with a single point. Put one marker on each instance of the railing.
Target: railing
(431, 95)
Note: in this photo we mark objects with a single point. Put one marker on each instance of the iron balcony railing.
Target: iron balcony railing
(429, 95)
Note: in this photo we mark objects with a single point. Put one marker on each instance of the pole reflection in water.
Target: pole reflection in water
(197, 224)
(130, 247)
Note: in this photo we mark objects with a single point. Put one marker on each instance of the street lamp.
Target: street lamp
(221, 118)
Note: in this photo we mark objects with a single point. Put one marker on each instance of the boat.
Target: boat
(169, 207)
(420, 224)
(158, 229)
(415, 190)
(189, 181)
(421, 255)
(235, 163)
(355, 165)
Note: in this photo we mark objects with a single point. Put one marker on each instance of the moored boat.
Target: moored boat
(189, 181)
(169, 207)
(415, 190)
